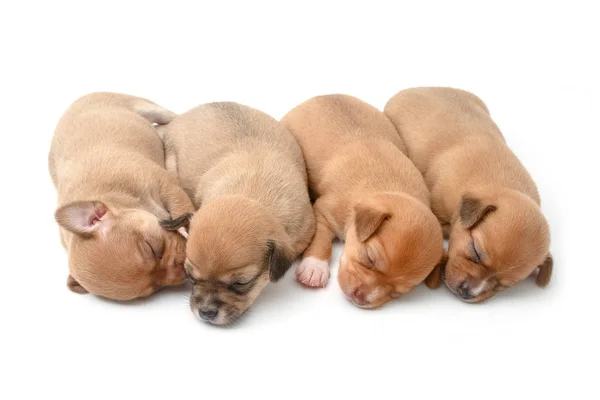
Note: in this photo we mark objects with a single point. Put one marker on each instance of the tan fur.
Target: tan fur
(246, 174)
(107, 164)
(479, 190)
(368, 193)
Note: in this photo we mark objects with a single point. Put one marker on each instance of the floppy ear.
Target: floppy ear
(545, 272)
(473, 210)
(81, 217)
(367, 220)
(182, 221)
(434, 279)
(75, 286)
(279, 260)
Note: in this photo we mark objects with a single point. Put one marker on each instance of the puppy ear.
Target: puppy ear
(434, 279)
(81, 217)
(182, 221)
(473, 210)
(545, 272)
(279, 260)
(75, 286)
(367, 220)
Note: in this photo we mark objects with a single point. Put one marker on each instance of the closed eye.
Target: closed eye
(475, 256)
(238, 288)
(242, 286)
(152, 250)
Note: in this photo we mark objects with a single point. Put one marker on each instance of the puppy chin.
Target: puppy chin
(370, 304)
(476, 299)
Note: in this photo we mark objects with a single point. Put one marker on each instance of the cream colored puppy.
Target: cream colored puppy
(245, 173)
(481, 193)
(107, 164)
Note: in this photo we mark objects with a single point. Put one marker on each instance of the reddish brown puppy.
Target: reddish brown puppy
(483, 196)
(368, 193)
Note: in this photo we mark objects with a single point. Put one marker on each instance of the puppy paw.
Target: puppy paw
(313, 272)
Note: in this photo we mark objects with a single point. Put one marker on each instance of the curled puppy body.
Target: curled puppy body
(107, 164)
(368, 193)
(245, 173)
(483, 196)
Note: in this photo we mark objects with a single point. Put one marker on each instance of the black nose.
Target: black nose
(208, 314)
(463, 291)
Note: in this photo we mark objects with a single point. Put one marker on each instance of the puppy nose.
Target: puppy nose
(359, 297)
(463, 291)
(208, 314)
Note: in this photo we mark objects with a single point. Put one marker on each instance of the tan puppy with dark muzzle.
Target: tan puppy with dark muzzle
(482, 195)
(368, 193)
(245, 173)
(107, 164)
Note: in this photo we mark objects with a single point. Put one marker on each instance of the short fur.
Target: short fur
(107, 164)
(245, 173)
(481, 193)
(368, 193)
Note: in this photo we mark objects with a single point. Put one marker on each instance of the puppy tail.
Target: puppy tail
(153, 112)
(143, 107)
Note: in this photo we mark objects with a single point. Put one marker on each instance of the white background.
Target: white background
(534, 64)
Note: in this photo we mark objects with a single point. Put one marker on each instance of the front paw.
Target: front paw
(313, 272)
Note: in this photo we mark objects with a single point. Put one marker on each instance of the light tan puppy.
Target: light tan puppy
(245, 173)
(482, 195)
(107, 164)
(368, 193)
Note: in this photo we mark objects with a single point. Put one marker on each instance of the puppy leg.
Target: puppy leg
(313, 271)
(174, 198)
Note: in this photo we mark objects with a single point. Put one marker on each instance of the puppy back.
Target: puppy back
(339, 118)
(102, 132)
(453, 141)
(202, 137)
(330, 129)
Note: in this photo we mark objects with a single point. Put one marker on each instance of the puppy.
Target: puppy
(107, 164)
(482, 195)
(245, 173)
(368, 193)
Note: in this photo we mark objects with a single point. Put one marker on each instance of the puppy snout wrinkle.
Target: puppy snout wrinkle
(208, 314)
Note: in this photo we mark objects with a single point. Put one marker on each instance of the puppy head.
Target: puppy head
(498, 238)
(393, 242)
(120, 255)
(234, 249)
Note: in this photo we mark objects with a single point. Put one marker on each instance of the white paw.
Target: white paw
(313, 272)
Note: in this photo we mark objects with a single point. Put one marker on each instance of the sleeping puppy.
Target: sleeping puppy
(245, 173)
(482, 195)
(368, 193)
(107, 164)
